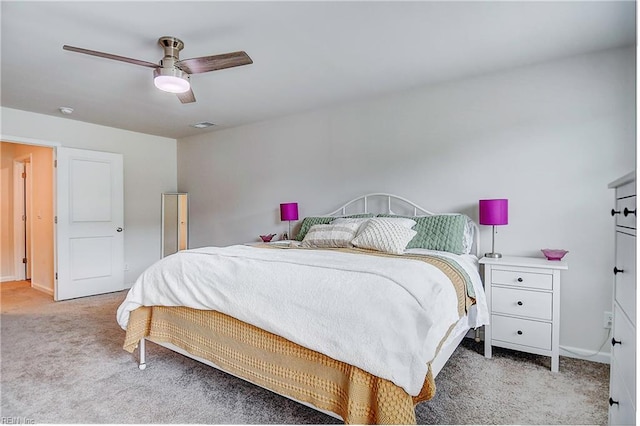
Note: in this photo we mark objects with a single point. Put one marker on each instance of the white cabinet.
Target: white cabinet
(622, 387)
(523, 294)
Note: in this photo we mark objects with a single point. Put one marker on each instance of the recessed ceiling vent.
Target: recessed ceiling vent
(202, 125)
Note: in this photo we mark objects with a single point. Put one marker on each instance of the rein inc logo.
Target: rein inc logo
(16, 421)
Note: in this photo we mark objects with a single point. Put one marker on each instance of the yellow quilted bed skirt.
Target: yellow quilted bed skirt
(278, 364)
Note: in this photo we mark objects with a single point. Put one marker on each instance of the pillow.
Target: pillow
(326, 236)
(308, 222)
(384, 235)
(469, 230)
(404, 221)
(444, 232)
(358, 220)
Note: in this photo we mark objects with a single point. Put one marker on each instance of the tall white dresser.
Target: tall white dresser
(622, 387)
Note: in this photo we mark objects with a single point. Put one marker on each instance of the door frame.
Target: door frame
(22, 205)
(53, 145)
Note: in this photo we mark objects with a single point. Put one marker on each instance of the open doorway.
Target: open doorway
(22, 216)
(27, 215)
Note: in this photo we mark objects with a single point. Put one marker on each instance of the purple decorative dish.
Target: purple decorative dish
(267, 238)
(554, 254)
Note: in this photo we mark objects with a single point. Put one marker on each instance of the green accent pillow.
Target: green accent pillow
(443, 232)
(309, 221)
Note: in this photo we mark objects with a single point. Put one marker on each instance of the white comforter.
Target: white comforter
(384, 315)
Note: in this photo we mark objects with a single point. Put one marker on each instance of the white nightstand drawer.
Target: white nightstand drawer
(526, 303)
(628, 221)
(521, 332)
(522, 279)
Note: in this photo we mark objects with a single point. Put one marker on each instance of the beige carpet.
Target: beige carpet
(63, 363)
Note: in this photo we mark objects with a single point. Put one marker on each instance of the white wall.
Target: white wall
(548, 137)
(149, 170)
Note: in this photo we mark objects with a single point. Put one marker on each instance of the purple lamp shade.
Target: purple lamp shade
(289, 211)
(494, 212)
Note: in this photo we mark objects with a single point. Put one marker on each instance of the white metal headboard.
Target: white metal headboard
(362, 205)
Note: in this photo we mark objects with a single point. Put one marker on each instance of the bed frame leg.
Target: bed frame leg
(477, 335)
(141, 354)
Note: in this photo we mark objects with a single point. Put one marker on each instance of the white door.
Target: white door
(90, 222)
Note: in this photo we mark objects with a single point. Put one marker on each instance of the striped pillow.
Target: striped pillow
(309, 221)
(330, 236)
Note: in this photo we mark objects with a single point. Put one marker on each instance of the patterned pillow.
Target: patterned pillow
(309, 221)
(384, 235)
(359, 220)
(443, 232)
(326, 236)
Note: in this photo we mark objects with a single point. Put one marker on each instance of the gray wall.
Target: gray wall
(548, 137)
(149, 170)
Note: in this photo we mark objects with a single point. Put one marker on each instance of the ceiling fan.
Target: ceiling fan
(172, 74)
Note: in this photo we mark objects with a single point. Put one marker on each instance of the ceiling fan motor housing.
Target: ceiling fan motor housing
(172, 47)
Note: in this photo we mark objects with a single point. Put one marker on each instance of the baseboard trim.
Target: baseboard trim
(568, 351)
(41, 288)
(8, 278)
(579, 353)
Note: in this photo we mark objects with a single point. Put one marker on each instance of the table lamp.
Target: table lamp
(494, 212)
(289, 212)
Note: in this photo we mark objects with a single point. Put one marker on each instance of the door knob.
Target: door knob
(119, 229)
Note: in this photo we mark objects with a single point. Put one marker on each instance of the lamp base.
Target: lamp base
(493, 255)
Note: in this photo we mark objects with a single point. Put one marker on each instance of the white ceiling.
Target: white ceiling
(307, 55)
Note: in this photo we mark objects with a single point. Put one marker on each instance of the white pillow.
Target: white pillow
(330, 236)
(467, 243)
(382, 234)
(404, 221)
(359, 220)
(362, 221)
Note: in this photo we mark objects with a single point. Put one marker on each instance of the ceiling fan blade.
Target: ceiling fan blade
(213, 63)
(186, 97)
(110, 56)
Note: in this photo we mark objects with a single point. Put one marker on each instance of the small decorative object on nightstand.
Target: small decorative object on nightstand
(267, 238)
(523, 294)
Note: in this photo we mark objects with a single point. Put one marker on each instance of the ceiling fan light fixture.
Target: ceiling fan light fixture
(171, 80)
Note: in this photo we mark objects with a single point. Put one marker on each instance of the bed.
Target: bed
(354, 318)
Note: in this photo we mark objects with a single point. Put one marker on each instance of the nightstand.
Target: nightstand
(523, 294)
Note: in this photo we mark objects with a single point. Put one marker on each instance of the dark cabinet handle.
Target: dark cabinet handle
(627, 212)
(614, 212)
(519, 332)
(617, 271)
(519, 303)
(520, 280)
(614, 341)
(611, 402)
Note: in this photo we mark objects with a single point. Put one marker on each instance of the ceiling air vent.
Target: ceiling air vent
(202, 125)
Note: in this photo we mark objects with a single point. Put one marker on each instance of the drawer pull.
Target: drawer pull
(519, 303)
(519, 332)
(611, 402)
(617, 271)
(627, 212)
(614, 341)
(614, 212)
(520, 279)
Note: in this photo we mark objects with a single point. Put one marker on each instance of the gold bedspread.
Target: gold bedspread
(278, 364)
(284, 367)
